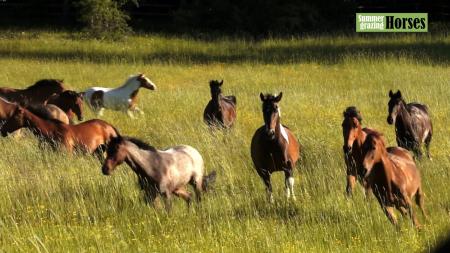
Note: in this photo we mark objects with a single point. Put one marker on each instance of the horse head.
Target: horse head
(373, 150)
(115, 155)
(394, 106)
(16, 121)
(351, 126)
(271, 112)
(74, 101)
(145, 82)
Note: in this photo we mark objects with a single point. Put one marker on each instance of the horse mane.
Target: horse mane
(46, 83)
(372, 133)
(140, 144)
(352, 112)
(42, 112)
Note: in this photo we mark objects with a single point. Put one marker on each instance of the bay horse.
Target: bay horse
(393, 178)
(37, 93)
(274, 147)
(354, 137)
(123, 98)
(220, 110)
(412, 124)
(70, 102)
(90, 136)
(163, 172)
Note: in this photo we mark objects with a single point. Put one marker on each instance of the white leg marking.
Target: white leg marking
(291, 186)
(288, 190)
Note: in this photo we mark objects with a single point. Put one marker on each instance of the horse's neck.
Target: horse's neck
(6, 108)
(59, 102)
(129, 87)
(361, 137)
(280, 132)
(36, 123)
(142, 159)
(215, 98)
(405, 116)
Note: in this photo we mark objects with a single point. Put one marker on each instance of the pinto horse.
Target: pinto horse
(123, 98)
(165, 172)
(274, 147)
(354, 137)
(412, 124)
(220, 110)
(70, 102)
(393, 178)
(37, 93)
(90, 136)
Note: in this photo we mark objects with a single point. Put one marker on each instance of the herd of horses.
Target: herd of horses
(48, 110)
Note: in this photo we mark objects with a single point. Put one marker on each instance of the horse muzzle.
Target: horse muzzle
(347, 149)
(271, 134)
(390, 120)
(106, 171)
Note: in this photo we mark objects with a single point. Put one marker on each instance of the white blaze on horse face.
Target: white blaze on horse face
(149, 82)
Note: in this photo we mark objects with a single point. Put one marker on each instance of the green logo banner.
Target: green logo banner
(391, 22)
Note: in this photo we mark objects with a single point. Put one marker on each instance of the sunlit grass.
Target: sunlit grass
(53, 201)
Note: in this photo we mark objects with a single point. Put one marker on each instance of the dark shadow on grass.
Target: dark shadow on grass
(433, 53)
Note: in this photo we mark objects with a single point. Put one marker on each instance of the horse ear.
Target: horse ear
(390, 93)
(221, 82)
(399, 94)
(262, 97)
(278, 98)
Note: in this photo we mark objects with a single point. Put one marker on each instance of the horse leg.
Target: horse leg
(351, 179)
(183, 193)
(167, 200)
(389, 211)
(265, 175)
(427, 145)
(150, 190)
(420, 201)
(130, 114)
(289, 182)
(100, 111)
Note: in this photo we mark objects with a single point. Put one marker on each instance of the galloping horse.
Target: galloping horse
(393, 177)
(274, 147)
(412, 124)
(70, 102)
(354, 137)
(37, 93)
(220, 110)
(165, 172)
(123, 98)
(90, 136)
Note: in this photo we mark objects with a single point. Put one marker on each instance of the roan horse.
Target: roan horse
(274, 147)
(165, 172)
(90, 136)
(37, 93)
(412, 124)
(123, 98)
(70, 102)
(354, 137)
(220, 110)
(393, 178)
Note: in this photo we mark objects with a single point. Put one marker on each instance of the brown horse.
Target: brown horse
(354, 137)
(70, 102)
(37, 93)
(393, 178)
(412, 124)
(220, 110)
(165, 172)
(7, 109)
(274, 147)
(90, 136)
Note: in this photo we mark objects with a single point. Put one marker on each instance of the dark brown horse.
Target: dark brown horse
(274, 147)
(220, 110)
(90, 136)
(354, 137)
(37, 93)
(412, 124)
(70, 102)
(165, 172)
(393, 178)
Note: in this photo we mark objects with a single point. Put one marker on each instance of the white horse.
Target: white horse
(166, 172)
(123, 98)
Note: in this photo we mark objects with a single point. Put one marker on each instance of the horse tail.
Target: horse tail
(208, 180)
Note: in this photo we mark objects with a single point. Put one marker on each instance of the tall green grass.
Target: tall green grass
(54, 201)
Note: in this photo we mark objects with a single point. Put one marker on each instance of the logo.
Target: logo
(391, 22)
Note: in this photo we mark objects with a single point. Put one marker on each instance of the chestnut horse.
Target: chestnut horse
(70, 102)
(354, 137)
(123, 98)
(274, 147)
(220, 110)
(165, 172)
(393, 178)
(412, 124)
(90, 136)
(37, 93)
(7, 109)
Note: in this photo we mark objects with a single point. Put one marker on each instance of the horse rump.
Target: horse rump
(208, 180)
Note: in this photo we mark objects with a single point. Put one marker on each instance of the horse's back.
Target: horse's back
(183, 161)
(405, 169)
(57, 113)
(230, 99)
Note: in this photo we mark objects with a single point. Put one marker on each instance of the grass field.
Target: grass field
(54, 201)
